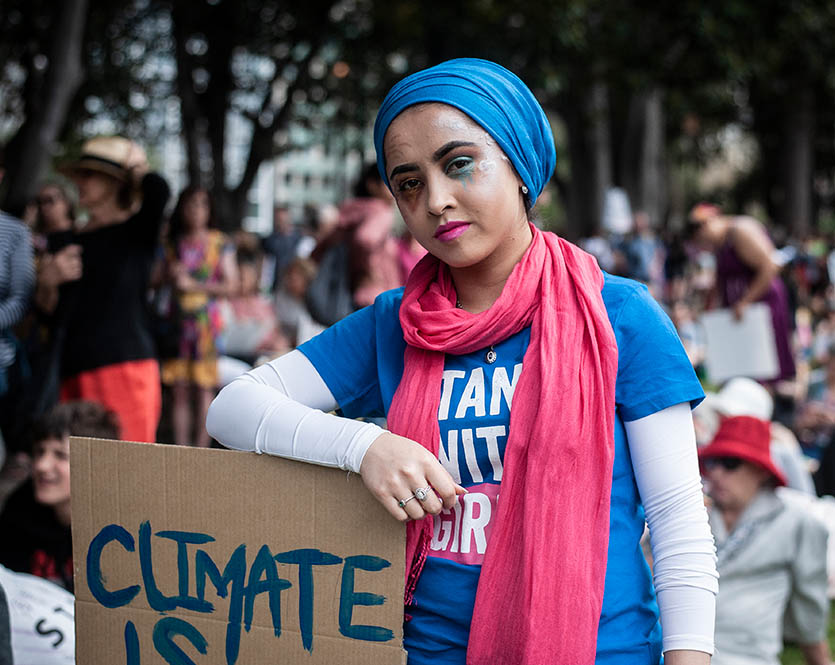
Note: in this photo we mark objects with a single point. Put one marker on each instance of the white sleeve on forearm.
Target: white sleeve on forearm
(279, 408)
(663, 451)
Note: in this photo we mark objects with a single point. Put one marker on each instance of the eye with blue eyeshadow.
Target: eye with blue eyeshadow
(460, 166)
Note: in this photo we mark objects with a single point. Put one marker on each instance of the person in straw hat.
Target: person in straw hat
(771, 553)
(107, 350)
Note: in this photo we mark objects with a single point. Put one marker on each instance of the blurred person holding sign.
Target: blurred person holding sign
(745, 271)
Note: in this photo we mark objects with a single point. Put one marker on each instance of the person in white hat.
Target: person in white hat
(107, 350)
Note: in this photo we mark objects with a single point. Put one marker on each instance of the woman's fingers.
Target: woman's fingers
(446, 489)
(395, 468)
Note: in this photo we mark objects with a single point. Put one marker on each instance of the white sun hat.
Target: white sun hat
(742, 396)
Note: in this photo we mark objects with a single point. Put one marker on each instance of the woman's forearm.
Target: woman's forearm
(686, 657)
(759, 285)
(662, 447)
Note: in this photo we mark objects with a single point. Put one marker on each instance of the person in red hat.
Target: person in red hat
(771, 555)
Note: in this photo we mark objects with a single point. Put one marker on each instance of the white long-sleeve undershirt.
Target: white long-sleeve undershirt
(281, 409)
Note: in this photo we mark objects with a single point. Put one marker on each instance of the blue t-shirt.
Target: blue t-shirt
(361, 361)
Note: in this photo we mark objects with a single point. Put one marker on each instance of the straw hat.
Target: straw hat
(746, 438)
(112, 155)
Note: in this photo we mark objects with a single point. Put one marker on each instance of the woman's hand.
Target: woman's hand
(63, 266)
(394, 467)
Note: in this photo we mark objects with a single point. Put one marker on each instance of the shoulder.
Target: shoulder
(13, 227)
(622, 296)
(389, 301)
(219, 238)
(804, 512)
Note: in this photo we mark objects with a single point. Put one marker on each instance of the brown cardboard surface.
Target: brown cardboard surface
(315, 565)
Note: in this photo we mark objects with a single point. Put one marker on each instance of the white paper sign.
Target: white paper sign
(740, 348)
(42, 618)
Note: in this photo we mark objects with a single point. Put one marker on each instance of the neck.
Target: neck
(722, 225)
(64, 513)
(730, 517)
(480, 285)
(196, 233)
(106, 213)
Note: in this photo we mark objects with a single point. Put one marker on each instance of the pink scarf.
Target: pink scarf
(541, 587)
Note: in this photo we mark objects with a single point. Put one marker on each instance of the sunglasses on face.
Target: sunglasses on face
(727, 463)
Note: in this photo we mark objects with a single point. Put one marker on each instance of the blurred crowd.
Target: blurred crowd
(123, 310)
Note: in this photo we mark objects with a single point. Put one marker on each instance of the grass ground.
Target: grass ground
(793, 656)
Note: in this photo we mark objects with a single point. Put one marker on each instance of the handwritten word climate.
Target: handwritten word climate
(235, 583)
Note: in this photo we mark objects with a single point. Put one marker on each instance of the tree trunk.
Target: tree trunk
(189, 107)
(32, 147)
(797, 148)
(642, 165)
(589, 147)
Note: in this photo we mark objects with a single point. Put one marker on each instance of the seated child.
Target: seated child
(35, 522)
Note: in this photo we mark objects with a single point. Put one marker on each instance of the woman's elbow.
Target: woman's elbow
(219, 420)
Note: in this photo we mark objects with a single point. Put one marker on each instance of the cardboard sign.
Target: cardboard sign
(740, 348)
(40, 618)
(219, 557)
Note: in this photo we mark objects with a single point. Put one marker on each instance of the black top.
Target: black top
(105, 314)
(33, 541)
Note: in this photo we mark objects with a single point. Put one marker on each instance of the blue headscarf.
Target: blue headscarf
(492, 96)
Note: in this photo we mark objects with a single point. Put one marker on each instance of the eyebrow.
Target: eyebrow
(437, 156)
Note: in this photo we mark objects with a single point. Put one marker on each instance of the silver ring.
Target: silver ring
(402, 503)
(422, 493)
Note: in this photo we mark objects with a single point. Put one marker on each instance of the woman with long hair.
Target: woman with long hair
(202, 268)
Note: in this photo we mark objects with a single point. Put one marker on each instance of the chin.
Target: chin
(49, 498)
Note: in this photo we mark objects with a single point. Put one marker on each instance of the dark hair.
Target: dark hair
(369, 172)
(80, 418)
(127, 195)
(176, 225)
(246, 256)
(2, 156)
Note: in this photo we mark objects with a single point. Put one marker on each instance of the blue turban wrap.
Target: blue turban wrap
(492, 96)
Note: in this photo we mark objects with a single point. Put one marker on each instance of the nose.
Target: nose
(42, 463)
(439, 196)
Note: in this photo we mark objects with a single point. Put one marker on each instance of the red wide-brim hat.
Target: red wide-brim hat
(748, 439)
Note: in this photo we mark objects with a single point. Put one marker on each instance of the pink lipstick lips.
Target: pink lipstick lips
(450, 231)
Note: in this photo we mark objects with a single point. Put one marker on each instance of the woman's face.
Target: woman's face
(457, 191)
(53, 210)
(95, 188)
(196, 211)
(248, 276)
(51, 471)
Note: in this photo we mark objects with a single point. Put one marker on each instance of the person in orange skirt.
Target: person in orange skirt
(107, 349)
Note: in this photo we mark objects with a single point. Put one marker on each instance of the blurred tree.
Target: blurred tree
(41, 45)
(259, 64)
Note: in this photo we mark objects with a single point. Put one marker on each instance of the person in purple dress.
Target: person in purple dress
(746, 272)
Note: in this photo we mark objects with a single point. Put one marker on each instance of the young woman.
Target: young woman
(510, 365)
(201, 264)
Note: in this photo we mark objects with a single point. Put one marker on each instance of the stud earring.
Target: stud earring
(524, 190)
